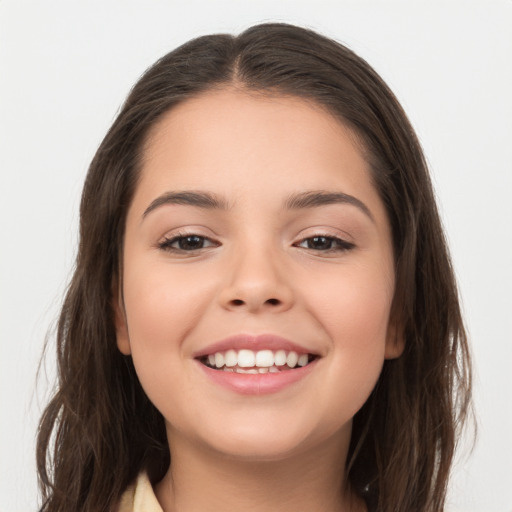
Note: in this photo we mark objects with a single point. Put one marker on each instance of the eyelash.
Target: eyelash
(167, 243)
(339, 244)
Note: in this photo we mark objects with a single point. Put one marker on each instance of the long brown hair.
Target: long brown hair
(100, 429)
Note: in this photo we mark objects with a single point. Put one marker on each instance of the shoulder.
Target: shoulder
(139, 497)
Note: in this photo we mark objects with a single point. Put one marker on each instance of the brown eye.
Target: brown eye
(186, 243)
(325, 243)
(319, 243)
(190, 243)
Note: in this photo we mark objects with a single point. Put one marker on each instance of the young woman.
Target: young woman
(263, 314)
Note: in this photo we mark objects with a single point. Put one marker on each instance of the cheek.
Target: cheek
(158, 297)
(162, 306)
(353, 303)
(152, 310)
(354, 308)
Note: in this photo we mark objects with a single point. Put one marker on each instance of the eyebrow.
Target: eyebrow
(189, 198)
(303, 200)
(316, 198)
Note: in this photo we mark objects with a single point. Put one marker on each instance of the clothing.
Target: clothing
(139, 497)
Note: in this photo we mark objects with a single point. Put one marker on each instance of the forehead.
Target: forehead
(230, 141)
(248, 120)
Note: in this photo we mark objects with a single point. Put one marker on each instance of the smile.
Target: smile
(254, 362)
(259, 364)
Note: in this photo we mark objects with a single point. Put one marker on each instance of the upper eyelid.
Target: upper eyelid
(189, 231)
(343, 236)
(326, 234)
(195, 232)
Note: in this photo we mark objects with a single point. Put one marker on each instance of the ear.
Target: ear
(395, 339)
(122, 337)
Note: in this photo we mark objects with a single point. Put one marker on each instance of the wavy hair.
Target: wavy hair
(100, 429)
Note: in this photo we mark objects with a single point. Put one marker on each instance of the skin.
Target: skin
(258, 272)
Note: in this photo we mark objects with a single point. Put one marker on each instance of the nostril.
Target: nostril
(241, 302)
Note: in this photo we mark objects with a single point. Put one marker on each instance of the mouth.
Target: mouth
(247, 361)
(259, 364)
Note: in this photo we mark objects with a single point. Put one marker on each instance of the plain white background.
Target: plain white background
(65, 67)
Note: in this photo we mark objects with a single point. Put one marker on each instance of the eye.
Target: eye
(325, 243)
(186, 243)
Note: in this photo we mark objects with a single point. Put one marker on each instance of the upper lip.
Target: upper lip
(253, 342)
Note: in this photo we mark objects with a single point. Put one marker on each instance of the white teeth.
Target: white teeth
(292, 359)
(280, 358)
(253, 371)
(230, 358)
(303, 360)
(246, 358)
(261, 361)
(264, 358)
(219, 360)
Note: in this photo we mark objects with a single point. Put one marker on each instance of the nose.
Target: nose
(257, 281)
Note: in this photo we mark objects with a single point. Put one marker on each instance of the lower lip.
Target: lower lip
(260, 383)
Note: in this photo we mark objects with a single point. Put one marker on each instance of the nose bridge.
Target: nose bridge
(257, 278)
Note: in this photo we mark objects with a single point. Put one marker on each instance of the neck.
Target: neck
(202, 480)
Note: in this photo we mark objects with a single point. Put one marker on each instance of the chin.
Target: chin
(258, 449)
(268, 442)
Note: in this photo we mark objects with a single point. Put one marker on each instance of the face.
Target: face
(258, 275)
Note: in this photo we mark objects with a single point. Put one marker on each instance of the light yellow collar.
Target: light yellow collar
(139, 497)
